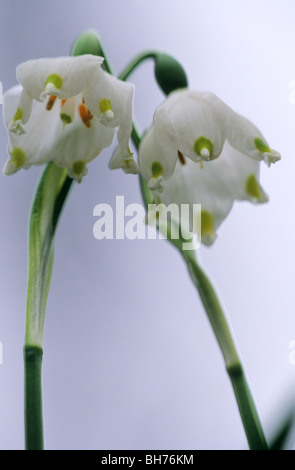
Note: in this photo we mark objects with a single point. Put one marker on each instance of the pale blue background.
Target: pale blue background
(130, 361)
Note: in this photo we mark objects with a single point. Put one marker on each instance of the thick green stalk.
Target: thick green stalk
(48, 203)
(33, 398)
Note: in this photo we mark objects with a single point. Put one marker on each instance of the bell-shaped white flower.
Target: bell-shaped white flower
(215, 186)
(66, 111)
(115, 112)
(196, 125)
(197, 152)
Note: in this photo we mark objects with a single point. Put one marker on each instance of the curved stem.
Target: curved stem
(217, 318)
(222, 331)
(135, 62)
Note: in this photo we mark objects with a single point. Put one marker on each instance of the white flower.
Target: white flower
(66, 110)
(197, 152)
(197, 125)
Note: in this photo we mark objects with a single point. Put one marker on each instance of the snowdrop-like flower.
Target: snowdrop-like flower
(66, 110)
(197, 152)
(196, 125)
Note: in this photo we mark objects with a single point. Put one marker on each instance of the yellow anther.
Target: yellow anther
(85, 115)
(181, 158)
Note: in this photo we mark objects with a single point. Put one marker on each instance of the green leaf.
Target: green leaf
(49, 199)
(283, 433)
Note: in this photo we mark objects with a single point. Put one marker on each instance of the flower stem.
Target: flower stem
(135, 62)
(217, 318)
(33, 398)
(49, 200)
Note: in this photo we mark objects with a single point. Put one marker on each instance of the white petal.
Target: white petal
(247, 139)
(245, 174)
(10, 101)
(35, 144)
(109, 98)
(192, 123)
(47, 139)
(70, 75)
(75, 144)
(209, 184)
(158, 151)
(111, 101)
(127, 163)
(200, 123)
(17, 109)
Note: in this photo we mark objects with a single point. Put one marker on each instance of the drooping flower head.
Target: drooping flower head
(199, 151)
(66, 110)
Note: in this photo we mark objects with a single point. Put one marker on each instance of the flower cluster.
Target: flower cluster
(197, 150)
(66, 110)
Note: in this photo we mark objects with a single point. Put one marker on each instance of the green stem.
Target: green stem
(217, 318)
(33, 398)
(135, 62)
(50, 197)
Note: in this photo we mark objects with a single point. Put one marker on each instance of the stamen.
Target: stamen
(50, 102)
(181, 157)
(85, 115)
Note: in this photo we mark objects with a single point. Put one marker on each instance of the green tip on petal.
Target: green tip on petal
(254, 190)
(252, 187)
(18, 115)
(18, 157)
(78, 168)
(87, 43)
(204, 147)
(207, 228)
(157, 169)
(105, 105)
(56, 81)
(261, 146)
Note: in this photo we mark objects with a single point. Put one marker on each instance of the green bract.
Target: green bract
(169, 74)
